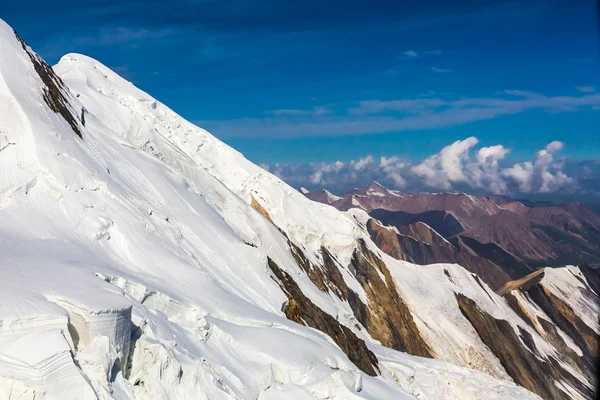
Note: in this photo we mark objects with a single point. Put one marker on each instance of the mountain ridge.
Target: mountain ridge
(540, 235)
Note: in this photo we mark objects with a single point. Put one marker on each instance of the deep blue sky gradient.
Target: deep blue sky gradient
(232, 64)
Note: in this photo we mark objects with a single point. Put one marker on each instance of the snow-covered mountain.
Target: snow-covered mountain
(322, 196)
(142, 258)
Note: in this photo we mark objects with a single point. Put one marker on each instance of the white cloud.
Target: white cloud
(316, 178)
(443, 169)
(586, 89)
(544, 175)
(491, 155)
(440, 70)
(290, 112)
(393, 168)
(457, 165)
(363, 163)
(408, 54)
(453, 165)
(419, 113)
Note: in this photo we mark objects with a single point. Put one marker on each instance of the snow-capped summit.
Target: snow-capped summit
(141, 257)
(322, 196)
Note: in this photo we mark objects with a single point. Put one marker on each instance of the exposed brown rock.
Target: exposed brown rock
(565, 318)
(419, 244)
(303, 311)
(258, 207)
(534, 373)
(387, 318)
(519, 310)
(550, 333)
(561, 316)
(314, 273)
(54, 88)
(592, 275)
(524, 283)
(322, 196)
(494, 253)
(443, 222)
(512, 235)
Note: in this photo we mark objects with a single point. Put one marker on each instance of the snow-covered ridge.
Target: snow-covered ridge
(153, 127)
(143, 229)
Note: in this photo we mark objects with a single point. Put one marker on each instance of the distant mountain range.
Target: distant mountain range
(497, 237)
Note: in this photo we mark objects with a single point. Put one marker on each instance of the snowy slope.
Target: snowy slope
(134, 263)
(96, 235)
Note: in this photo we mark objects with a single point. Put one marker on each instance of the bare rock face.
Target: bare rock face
(261, 210)
(443, 222)
(562, 306)
(519, 355)
(55, 91)
(302, 310)
(419, 244)
(386, 317)
(389, 319)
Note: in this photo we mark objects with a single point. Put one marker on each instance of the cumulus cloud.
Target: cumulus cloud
(458, 165)
(363, 163)
(316, 178)
(393, 168)
(544, 175)
(442, 169)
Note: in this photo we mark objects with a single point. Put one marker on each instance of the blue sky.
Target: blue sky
(321, 81)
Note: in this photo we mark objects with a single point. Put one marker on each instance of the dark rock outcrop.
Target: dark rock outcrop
(419, 244)
(302, 310)
(388, 318)
(518, 354)
(560, 315)
(441, 221)
(494, 253)
(55, 91)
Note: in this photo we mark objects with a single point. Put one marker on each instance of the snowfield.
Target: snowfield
(133, 264)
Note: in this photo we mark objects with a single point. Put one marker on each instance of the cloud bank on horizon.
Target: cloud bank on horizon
(459, 165)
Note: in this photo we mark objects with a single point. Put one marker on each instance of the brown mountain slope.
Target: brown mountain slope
(419, 244)
(510, 234)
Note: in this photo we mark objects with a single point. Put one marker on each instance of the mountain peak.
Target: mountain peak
(323, 196)
(376, 185)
